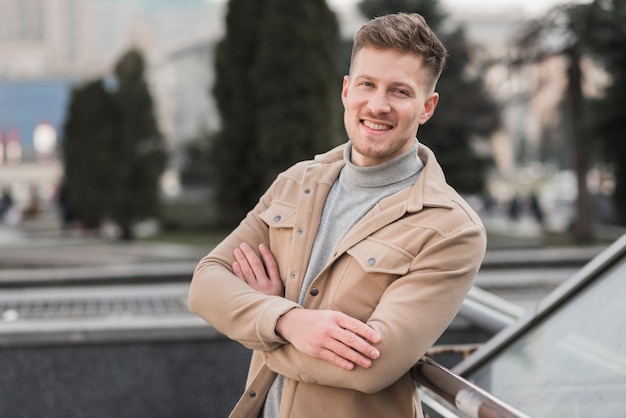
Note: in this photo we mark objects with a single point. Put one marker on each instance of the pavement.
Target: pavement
(36, 249)
(56, 286)
(37, 252)
(41, 242)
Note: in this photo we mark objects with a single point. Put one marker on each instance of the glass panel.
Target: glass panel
(573, 364)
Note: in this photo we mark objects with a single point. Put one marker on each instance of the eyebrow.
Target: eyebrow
(393, 84)
(404, 86)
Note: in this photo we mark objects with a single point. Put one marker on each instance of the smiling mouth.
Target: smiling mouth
(377, 126)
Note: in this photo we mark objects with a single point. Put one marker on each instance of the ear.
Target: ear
(344, 89)
(429, 107)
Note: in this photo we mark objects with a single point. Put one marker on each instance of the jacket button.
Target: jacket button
(307, 191)
(253, 394)
(371, 261)
(300, 231)
(293, 275)
(314, 291)
(277, 218)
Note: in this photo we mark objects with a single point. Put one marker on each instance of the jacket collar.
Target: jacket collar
(430, 189)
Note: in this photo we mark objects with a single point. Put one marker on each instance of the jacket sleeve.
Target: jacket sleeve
(412, 313)
(229, 304)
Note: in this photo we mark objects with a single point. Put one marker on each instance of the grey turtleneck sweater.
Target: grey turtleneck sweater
(356, 192)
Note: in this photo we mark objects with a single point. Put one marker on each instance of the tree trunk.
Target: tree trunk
(583, 222)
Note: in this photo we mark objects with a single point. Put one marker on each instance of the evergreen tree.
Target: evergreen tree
(297, 85)
(430, 9)
(138, 148)
(600, 28)
(113, 152)
(465, 111)
(233, 155)
(277, 92)
(88, 131)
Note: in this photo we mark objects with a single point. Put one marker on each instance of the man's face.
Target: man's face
(385, 99)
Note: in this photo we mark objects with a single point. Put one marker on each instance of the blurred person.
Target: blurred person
(10, 213)
(68, 217)
(536, 209)
(352, 264)
(514, 208)
(6, 202)
(33, 207)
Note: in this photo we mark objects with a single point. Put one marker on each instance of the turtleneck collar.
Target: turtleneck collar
(393, 171)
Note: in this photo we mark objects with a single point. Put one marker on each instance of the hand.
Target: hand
(261, 273)
(330, 335)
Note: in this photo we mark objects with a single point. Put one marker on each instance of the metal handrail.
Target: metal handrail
(488, 311)
(463, 350)
(460, 393)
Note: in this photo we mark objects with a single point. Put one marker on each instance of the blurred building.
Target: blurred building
(47, 38)
(81, 39)
(49, 45)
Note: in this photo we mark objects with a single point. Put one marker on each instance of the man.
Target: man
(364, 255)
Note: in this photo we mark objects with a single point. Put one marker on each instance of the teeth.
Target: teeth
(376, 126)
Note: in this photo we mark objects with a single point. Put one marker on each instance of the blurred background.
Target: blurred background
(528, 128)
(134, 134)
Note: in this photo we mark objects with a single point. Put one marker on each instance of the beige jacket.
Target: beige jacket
(404, 269)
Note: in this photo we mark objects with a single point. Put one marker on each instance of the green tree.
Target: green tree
(138, 148)
(233, 155)
(465, 113)
(430, 9)
(599, 26)
(88, 131)
(297, 85)
(277, 91)
(113, 152)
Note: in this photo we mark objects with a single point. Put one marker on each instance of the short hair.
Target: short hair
(404, 32)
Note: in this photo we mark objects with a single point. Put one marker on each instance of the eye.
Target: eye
(366, 84)
(402, 92)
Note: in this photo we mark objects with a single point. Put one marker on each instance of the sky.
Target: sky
(26, 104)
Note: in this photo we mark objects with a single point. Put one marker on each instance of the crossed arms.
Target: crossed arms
(328, 335)
(238, 290)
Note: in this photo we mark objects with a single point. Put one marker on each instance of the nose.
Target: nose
(378, 102)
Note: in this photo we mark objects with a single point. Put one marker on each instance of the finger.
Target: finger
(358, 337)
(359, 328)
(354, 348)
(348, 354)
(334, 358)
(244, 266)
(237, 270)
(271, 267)
(256, 265)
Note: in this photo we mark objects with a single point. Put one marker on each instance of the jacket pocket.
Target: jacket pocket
(372, 266)
(375, 256)
(280, 218)
(279, 215)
